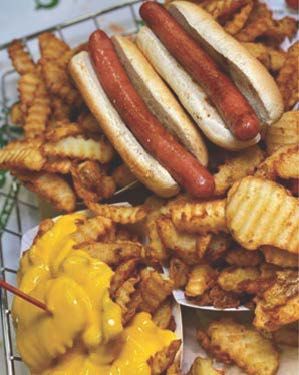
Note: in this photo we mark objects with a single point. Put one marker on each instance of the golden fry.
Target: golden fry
(62, 130)
(91, 229)
(164, 358)
(119, 214)
(16, 114)
(122, 273)
(123, 176)
(238, 166)
(178, 272)
(279, 257)
(20, 58)
(239, 19)
(230, 279)
(163, 315)
(123, 295)
(261, 212)
(51, 47)
(27, 87)
(201, 278)
(57, 165)
(204, 366)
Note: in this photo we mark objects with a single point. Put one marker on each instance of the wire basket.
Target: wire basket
(18, 207)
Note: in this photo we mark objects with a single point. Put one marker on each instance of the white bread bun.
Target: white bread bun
(158, 98)
(190, 94)
(147, 169)
(249, 75)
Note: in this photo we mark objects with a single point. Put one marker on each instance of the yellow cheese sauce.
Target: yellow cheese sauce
(83, 334)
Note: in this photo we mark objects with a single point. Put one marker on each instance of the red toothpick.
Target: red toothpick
(26, 297)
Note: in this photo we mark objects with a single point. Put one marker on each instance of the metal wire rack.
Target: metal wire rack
(18, 207)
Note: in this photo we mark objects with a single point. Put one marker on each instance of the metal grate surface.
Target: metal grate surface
(18, 207)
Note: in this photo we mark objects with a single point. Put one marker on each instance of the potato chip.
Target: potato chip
(16, 114)
(261, 212)
(244, 346)
(237, 256)
(200, 217)
(76, 147)
(51, 47)
(164, 358)
(120, 214)
(20, 58)
(279, 257)
(204, 366)
(114, 253)
(240, 165)
(123, 176)
(52, 188)
(231, 278)
(91, 229)
(122, 273)
(178, 272)
(27, 87)
(154, 288)
(163, 315)
(239, 19)
(201, 278)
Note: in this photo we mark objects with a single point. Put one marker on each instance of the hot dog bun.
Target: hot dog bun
(158, 98)
(147, 169)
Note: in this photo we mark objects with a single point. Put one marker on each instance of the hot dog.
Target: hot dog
(181, 164)
(232, 105)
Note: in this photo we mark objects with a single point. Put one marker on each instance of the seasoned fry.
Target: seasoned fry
(199, 217)
(239, 19)
(20, 58)
(76, 147)
(164, 358)
(204, 366)
(16, 114)
(122, 273)
(247, 348)
(231, 278)
(242, 164)
(52, 188)
(163, 315)
(237, 256)
(123, 176)
(51, 47)
(201, 278)
(154, 288)
(91, 229)
(279, 257)
(284, 132)
(119, 214)
(261, 212)
(114, 253)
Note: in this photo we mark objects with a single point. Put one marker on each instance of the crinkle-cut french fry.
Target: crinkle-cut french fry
(51, 47)
(204, 366)
(261, 212)
(236, 167)
(239, 19)
(38, 113)
(62, 130)
(163, 315)
(91, 229)
(20, 58)
(23, 154)
(279, 304)
(229, 341)
(282, 163)
(163, 359)
(285, 132)
(231, 278)
(119, 214)
(200, 217)
(238, 256)
(123, 176)
(123, 294)
(114, 253)
(77, 147)
(279, 257)
(61, 110)
(16, 114)
(122, 273)
(57, 165)
(89, 123)
(27, 87)
(201, 278)
(52, 188)
(178, 272)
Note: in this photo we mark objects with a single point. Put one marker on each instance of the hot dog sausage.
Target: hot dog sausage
(231, 104)
(181, 164)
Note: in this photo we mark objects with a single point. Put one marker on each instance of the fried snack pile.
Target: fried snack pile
(252, 23)
(111, 305)
(63, 157)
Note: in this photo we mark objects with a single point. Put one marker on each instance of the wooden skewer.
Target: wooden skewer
(26, 297)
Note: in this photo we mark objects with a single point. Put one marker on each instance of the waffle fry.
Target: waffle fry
(204, 366)
(252, 215)
(20, 58)
(51, 47)
(119, 214)
(284, 132)
(164, 358)
(201, 278)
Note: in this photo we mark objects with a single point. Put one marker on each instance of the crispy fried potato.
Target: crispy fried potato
(285, 27)
(244, 346)
(52, 188)
(27, 87)
(237, 256)
(62, 130)
(279, 257)
(240, 165)
(23, 154)
(114, 253)
(287, 335)
(201, 278)
(91, 229)
(254, 29)
(288, 78)
(122, 273)
(20, 58)
(218, 298)
(163, 315)
(57, 165)
(279, 304)
(61, 110)
(154, 288)
(16, 114)
(76, 147)
(123, 176)
(123, 293)
(178, 272)
(218, 246)
(261, 212)
(164, 358)
(231, 278)
(119, 214)
(89, 123)
(223, 9)
(51, 47)
(174, 369)
(284, 132)
(200, 217)
(204, 366)
(239, 19)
